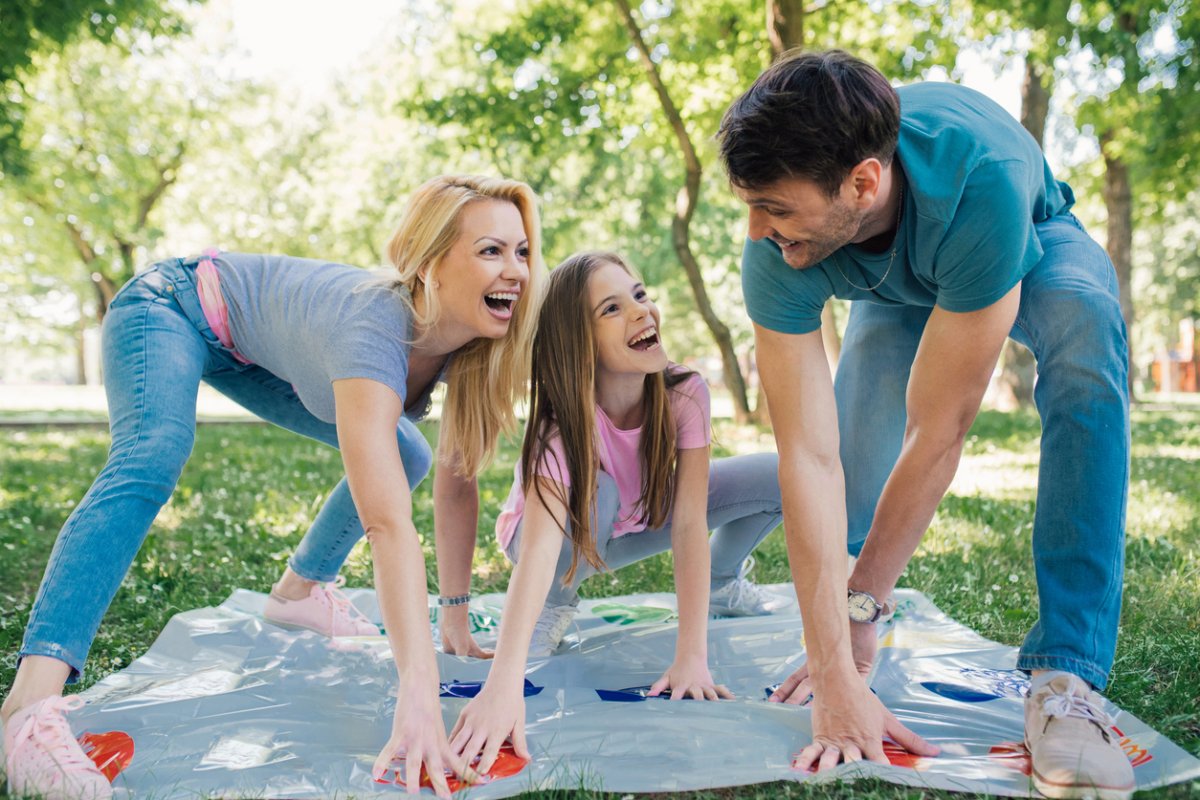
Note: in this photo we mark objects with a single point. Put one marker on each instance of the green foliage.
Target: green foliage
(30, 28)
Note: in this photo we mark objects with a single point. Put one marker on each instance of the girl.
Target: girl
(614, 464)
(336, 354)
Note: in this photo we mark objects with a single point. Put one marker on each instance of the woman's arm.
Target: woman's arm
(689, 676)
(499, 708)
(455, 525)
(367, 415)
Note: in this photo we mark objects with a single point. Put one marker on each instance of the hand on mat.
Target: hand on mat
(419, 734)
(797, 689)
(458, 641)
(849, 723)
(689, 677)
(486, 722)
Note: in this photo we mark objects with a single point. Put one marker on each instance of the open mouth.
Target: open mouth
(501, 302)
(646, 340)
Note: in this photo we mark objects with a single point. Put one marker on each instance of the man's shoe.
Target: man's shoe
(1071, 743)
(326, 610)
(44, 759)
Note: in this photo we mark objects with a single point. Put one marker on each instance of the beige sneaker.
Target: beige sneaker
(1071, 743)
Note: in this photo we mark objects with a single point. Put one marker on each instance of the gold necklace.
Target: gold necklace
(891, 261)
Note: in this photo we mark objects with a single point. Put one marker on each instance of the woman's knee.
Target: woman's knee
(415, 453)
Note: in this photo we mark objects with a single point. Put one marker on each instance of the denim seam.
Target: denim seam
(1087, 670)
(140, 393)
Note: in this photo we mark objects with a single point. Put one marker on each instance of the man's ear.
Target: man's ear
(862, 184)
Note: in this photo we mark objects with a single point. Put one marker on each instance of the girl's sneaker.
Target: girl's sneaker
(326, 610)
(44, 759)
(550, 628)
(741, 597)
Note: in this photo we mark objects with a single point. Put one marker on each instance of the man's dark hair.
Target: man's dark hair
(809, 115)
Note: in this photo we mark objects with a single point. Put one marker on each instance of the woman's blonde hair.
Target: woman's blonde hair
(487, 376)
(562, 405)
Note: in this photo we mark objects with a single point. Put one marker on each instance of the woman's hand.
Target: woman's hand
(688, 676)
(419, 733)
(458, 641)
(489, 719)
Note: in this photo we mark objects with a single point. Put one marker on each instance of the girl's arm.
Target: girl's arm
(498, 711)
(367, 415)
(455, 525)
(689, 676)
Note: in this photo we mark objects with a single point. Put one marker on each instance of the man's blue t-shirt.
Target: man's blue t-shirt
(976, 185)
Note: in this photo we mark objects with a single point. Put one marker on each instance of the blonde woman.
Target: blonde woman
(337, 354)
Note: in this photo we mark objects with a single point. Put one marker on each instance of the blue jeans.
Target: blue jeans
(156, 348)
(1070, 319)
(744, 505)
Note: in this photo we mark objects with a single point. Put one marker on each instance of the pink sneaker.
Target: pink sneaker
(44, 759)
(326, 610)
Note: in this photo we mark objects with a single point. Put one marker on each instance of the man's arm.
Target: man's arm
(848, 721)
(950, 374)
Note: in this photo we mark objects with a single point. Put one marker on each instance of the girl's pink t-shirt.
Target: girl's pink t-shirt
(620, 456)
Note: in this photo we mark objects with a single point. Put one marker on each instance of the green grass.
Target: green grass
(249, 492)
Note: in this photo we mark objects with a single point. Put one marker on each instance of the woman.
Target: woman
(329, 351)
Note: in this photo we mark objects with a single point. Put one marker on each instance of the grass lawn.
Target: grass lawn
(250, 490)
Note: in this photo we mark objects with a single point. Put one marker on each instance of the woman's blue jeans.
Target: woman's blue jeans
(1070, 319)
(156, 348)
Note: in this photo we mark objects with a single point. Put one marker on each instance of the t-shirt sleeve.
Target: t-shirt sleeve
(779, 297)
(991, 243)
(691, 406)
(360, 350)
(554, 464)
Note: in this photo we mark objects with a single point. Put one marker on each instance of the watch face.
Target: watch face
(863, 607)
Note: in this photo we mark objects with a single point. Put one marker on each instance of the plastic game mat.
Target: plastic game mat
(225, 704)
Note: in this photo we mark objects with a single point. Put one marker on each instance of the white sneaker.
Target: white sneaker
(1071, 743)
(550, 628)
(742, 597)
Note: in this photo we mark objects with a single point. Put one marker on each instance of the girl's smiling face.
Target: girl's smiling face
(625, 323)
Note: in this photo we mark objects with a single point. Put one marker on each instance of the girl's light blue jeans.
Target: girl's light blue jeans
(156, 348)
(744, 505)
(1070, 319)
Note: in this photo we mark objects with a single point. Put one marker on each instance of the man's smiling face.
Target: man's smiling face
(807, 224)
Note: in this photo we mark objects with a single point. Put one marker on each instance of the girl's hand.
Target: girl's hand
(458, 641)
(689, 677)
(487, 721)
(419, 733)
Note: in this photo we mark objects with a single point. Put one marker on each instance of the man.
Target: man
(936, 213)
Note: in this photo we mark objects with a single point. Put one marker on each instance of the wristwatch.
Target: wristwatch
(864, 607)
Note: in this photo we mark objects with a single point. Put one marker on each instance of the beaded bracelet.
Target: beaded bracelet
(457, 600)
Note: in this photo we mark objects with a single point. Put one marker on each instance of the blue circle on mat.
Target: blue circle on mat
(963, 694)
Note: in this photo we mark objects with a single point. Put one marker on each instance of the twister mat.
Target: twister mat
(225, 704)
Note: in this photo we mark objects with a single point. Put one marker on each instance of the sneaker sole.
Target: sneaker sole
(1075, 791)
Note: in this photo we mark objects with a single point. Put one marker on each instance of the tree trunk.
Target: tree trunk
(785, 25)
(80, 347)
(1118, 202)
(685, 206)
(1014, 388)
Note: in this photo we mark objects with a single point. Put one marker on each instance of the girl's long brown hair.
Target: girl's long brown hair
(563, 404)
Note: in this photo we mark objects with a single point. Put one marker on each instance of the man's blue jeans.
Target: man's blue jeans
(1070, 319)
(156, 349)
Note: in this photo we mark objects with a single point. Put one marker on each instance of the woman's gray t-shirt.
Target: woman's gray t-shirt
(314, 322)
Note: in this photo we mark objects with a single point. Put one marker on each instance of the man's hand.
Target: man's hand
(864, 644)
(849, 724)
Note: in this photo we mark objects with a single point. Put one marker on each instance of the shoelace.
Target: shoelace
(1061, 706)
(47, 728)
(338, 602)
